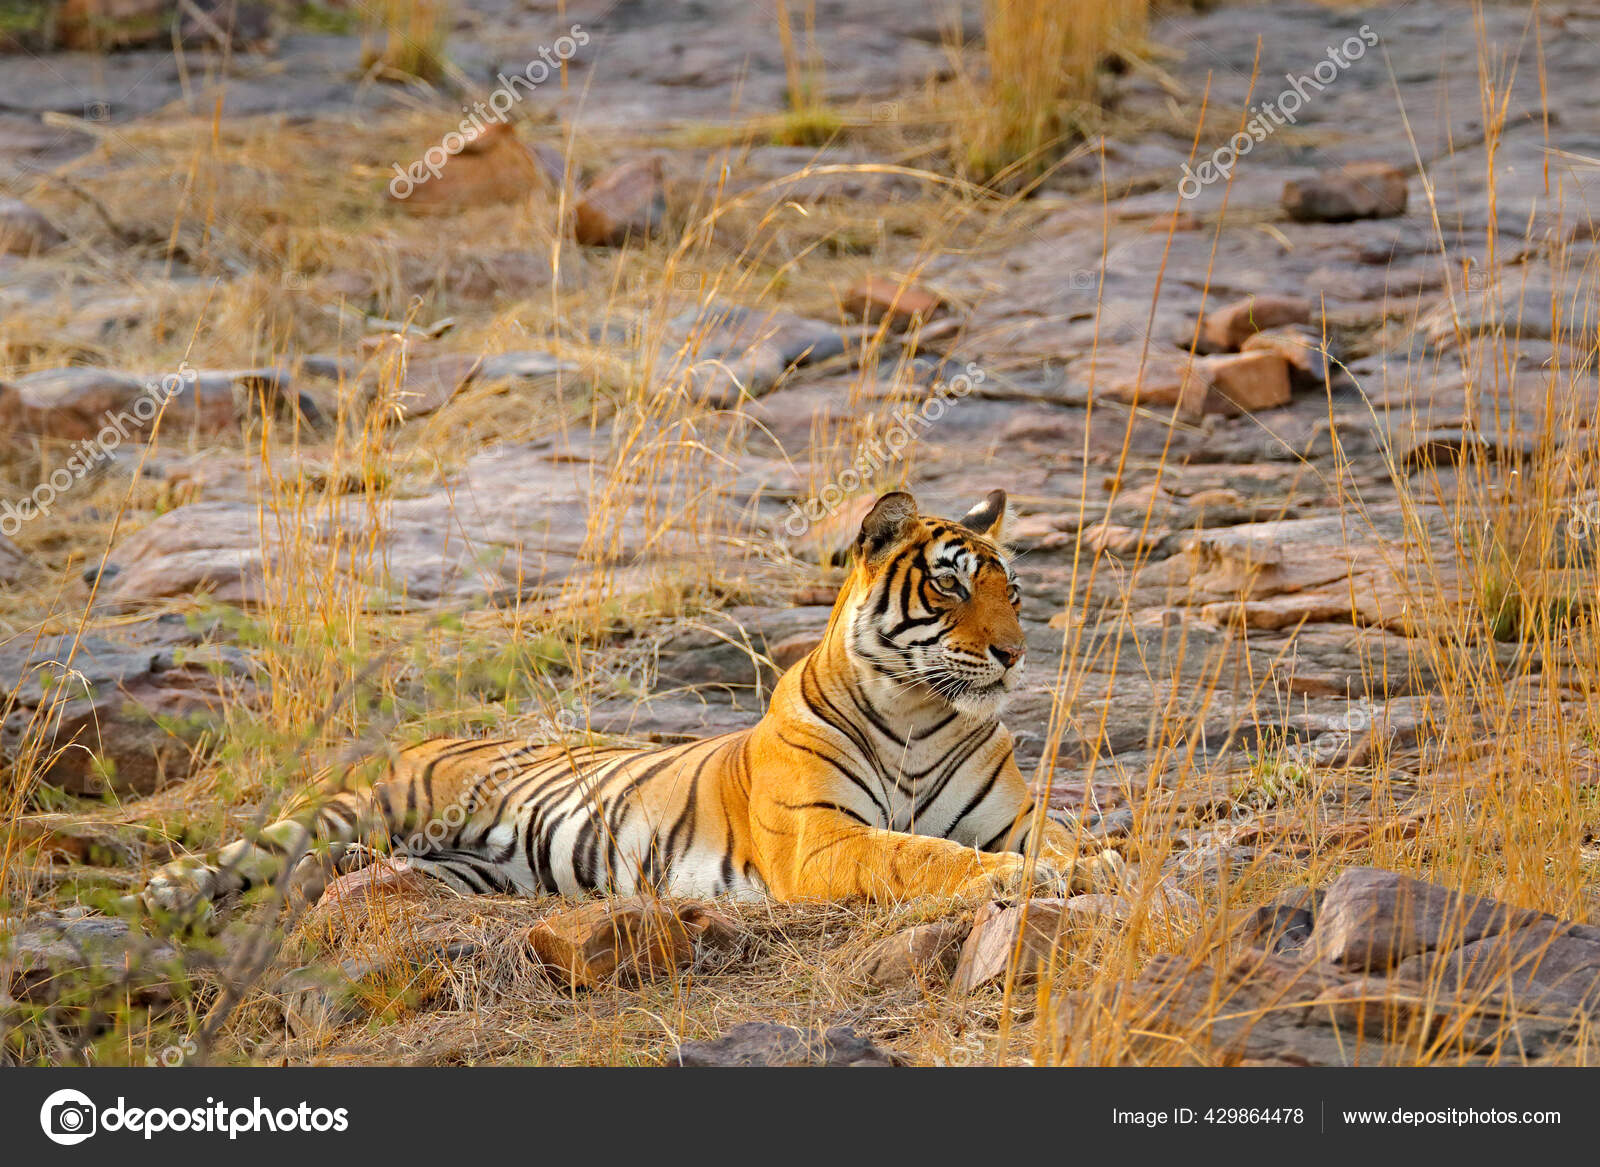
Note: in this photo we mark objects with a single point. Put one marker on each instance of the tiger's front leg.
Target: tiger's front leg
(835, 858)
(825, 854)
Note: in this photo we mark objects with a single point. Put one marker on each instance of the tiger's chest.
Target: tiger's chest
(927, 790)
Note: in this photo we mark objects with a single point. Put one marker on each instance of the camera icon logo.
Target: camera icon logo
(68, 1117)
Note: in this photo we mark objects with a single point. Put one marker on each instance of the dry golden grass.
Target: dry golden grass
(405, 39)
(1043, 60)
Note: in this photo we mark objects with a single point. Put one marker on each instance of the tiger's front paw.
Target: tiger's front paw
(1104, 872)
(182, 888)
(1009, 876)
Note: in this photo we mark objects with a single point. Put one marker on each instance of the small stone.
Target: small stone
(25, 231)
(378, 887)
(1030, 931)
(561, 172)
(625, 941)
(1229, 327)
(1303, 347)
(917, 956)
(761, 1043)
(626, 202)
(1247, 382)
(318, 1000)
(740, 352)
(723, 330)
(494, 168)
(1361, 190)
(903, 303)
(97, 25)
(1113, 825)
(725, 381)
(730, 656)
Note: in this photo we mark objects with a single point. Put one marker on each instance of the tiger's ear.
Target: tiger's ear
(888, 524)
(989, 518)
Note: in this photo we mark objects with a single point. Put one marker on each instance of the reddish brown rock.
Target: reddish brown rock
(625, 941)
(877, 297)
(380, 887)
(493, 169)
(96, 25)
(1309, 364)
(926, 954)
(627, 202)
(1227, 328)
(1247, 383)
(1030, 932)
(25, 231)
(1361, 190)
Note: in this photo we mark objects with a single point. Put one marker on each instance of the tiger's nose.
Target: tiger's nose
(1007, 656)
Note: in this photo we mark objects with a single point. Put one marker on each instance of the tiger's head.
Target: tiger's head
(933, 604)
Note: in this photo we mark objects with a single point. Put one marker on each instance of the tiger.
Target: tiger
(880, 769)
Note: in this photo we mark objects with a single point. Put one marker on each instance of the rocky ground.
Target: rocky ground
(1304, 469)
